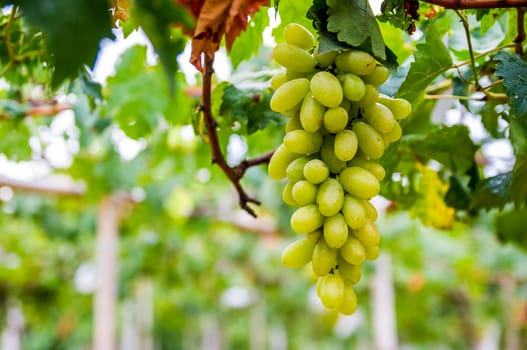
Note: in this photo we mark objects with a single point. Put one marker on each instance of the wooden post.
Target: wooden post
(383, 305)
(104, 335)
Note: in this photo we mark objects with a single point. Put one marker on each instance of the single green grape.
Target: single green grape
(289, 95)
(370, 141)
(315, 171)
(279, 162)
(294, 58)
(332, 290)
(304, 192)
(303, 142)
(359, 182)
(330, 197)
(354, 212)
(335, 231)
(356, 62)
(335, 119)
(307, 219)
(380, 117)
(298, 35)
(326, 88)
(311, 113)
(345, 145)
(353, 251)
(324, 258)
(298, 253)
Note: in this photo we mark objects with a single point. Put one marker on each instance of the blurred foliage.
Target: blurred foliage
(140, 131)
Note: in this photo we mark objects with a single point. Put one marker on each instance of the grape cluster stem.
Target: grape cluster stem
(234, 173)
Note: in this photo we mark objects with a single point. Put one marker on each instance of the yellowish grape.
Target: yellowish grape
(289, 95)
(298, 253)
(372, 253)
(353, 87)
(327, 154)
(368, 234)
(348, 306)
(335, 231)
(278, 163)
(378, 76)
(315, 171)
(353, 251)
(370, 140)
(324, 258)
(304, 192)
(298, 35)
(330, 197)
(359, 182)
(356, 62)
(380, 117)
(295, 170)
(311, 113)
(335, 119)
(351, 274)
(370, 96)
(326, 88)
(287, 195)
(294, 58)
(332, 290)
(302, 142)
(354, 212)
(345, 145)
(375, 168)
(307, 219)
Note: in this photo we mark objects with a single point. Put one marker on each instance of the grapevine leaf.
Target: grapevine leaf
(217, 18)
(510, 227)
(431, 59)
(513, 70)
(354, 23)
(457, 196)
(334, 40)
(126, 101)
(518, 134)
(249, 107)
(157, 18)
(519, 180)
(15, 140)
(492, 192)
(248, 43)
(73, 29)
(450, 146)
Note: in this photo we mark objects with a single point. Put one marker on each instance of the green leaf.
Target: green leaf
(249, 42)
(431, 59)
(354, 23)
(510, 227)
(137, 96)
(457, 196)
(519, 180)
(513, 70)
(157, 18)
(14, 140)
(249, 107)
(492, 192)
(451, 146)
(73, 29)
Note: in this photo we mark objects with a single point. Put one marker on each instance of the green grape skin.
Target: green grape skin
(351, 274)
(327, 154)
(372, 253)
(375, 168)
(353, 251)
(400, 108)
(294, 58)
(291, 74)
(368, 235)
(369, 209)
(393, 135)
(356, 62)
(378, 77)
(371, 142)
(326, 88)
(298, 35)
(311, 113)
(348, 306)
(307, 219)
(335, 119)
(302, 142)
(335, 231)
(304, 192)
(345, 145)
(324, 258)
(289, 95)
(298, 253)
(325, 59)
(279, 162)
(359, 182)
(315, 235)
(293, 122)
(380, 117)
(354, 212)
(370, 96)
(315, 171)
(332, 290)
(278, 80)
(330, 197)
(295, 170)
(287, 195)
(353, 87)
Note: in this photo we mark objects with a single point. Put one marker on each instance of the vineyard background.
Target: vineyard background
(118, 232)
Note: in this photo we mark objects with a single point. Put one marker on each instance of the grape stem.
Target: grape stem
(477, 4)
(235, 173)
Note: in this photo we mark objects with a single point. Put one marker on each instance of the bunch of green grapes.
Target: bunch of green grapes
(338, 126)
